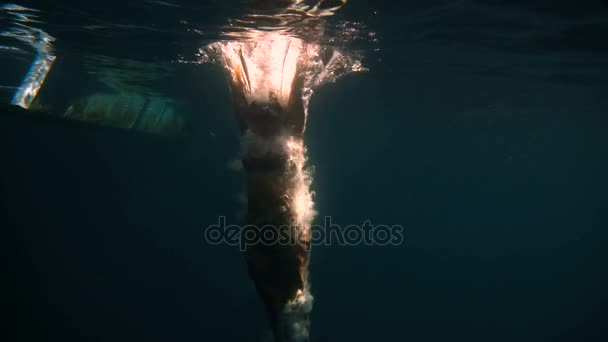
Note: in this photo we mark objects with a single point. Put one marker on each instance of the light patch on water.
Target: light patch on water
(23, 31)
(267, 65)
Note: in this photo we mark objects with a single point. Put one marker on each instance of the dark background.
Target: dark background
(485, 139)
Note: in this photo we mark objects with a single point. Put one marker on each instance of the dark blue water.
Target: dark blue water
(480, 128)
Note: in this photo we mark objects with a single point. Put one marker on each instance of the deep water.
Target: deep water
(490, 153)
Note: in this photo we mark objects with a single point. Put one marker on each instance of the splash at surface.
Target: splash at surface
(273, 74)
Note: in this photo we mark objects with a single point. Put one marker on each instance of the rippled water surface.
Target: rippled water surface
(92, 53)
(140, 47)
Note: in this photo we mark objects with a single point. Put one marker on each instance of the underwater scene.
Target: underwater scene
(304, 170)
